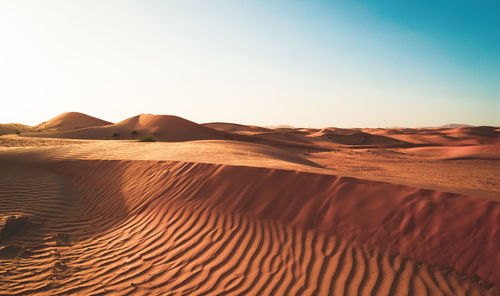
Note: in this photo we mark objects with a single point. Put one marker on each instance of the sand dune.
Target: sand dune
(168, 128)
(443, 136)
(473, 132)
(256, 133)
(234, 128)
(418, 137)
(161, 127)
(165, 228)
(7, 129)
(311, 136)
(71, 121)
(474, 175)
(12, 128)
(454, 125)
(227, 209)
(462, 152)
(206, 151)
(172, 129)
(354, 137)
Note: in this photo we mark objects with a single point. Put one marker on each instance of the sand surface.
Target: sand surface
(221, 209)
(71, 121)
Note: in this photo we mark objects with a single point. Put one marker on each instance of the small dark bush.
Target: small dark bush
(116, 135)
(18, 132)
(147, 139)
(133, 133)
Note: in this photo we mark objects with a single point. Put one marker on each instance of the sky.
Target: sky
(371, 63)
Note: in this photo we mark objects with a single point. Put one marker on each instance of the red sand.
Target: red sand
(419, 224)
(71, 121)
(98, 218)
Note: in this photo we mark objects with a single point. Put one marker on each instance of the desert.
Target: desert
(282, 148)
(228, 209)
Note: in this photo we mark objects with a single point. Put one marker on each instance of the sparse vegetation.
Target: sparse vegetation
(115, 135)
(134, 132)
(18, 132)
(147, 139)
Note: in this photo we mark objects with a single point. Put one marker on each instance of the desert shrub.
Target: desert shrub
(134, 132)
(147, 139)
(116, 135)
(18, 132)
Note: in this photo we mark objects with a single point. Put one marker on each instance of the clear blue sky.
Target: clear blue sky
(302, 63)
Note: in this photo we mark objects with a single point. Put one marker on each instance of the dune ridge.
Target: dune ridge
(242, 210)
(167, 128)
(234, 127)
(71, 121)
(7, 129)
(167, 227)
(417, 223)
(162, 127)
(170, 128)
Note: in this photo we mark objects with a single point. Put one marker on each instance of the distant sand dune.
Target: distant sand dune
(354, 137)
(7, 129)
(12, 128)
(462, 152)
(161, 127)
(482, 131)
(234, 127)
(166, 128)
(169, 128)
(443, 136)
(71, 121)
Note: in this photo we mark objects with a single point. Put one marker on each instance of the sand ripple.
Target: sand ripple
(176, 228)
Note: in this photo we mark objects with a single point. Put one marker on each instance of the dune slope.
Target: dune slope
(168, 128)
(71, 121)
(7, 129)
(162, 127)
(164, 228)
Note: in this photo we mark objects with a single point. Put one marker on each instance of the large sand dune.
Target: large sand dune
(94, 227)
(161, 127)
(167, 128)
(222, 209)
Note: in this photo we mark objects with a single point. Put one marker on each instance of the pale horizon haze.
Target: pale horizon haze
(299, 63)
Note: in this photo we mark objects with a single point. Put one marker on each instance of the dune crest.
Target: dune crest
(71, 121)
(419, 224)
(166, 128)
(200, 229)
(226, 209)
